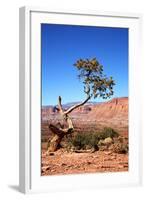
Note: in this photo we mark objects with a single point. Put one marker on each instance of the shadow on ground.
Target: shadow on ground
(14, 187)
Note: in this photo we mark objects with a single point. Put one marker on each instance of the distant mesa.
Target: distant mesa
(118, 104)
(67, 105)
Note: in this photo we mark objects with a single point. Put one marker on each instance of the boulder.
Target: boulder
(108, 140)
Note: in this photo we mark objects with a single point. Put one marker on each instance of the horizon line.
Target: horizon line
(86, 102)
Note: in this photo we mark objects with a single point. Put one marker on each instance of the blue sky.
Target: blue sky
(62, 45)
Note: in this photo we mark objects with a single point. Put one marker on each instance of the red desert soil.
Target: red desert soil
(61, 162)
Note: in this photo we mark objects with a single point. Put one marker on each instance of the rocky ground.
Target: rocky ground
(63, 162)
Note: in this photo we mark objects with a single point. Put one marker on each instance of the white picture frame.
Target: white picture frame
(30, 80)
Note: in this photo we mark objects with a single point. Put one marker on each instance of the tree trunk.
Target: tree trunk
(54, 143)
(59, 133)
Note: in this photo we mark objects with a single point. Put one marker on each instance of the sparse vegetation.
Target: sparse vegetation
(106, 139)
(90, 140)
(84, 141)
(108, 132)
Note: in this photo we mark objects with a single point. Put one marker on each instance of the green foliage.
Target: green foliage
(96, 83)
(84, 141)
(90, 140)
(97, 141)
(108, 132)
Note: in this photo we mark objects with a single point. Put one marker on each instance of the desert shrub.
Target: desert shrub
(108, 132)
(87, 140)
(84, 141)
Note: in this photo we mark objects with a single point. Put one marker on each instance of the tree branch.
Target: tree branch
(60, 105)
(70, 124)
(77, 105)
(56, 130)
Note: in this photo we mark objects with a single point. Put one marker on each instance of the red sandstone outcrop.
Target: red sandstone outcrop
(111, 109)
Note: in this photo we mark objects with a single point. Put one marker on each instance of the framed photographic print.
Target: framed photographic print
(79, 100)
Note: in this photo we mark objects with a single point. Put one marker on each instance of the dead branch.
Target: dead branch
(77, 105)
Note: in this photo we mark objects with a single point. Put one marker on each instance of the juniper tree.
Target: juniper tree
(95, 83)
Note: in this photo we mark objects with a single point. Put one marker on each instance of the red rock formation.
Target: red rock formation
(117, 107)
(92, 117)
